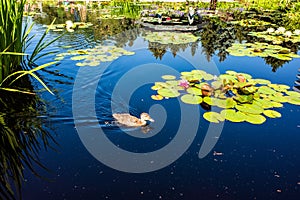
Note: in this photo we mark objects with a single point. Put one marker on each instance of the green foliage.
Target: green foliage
(241, 97)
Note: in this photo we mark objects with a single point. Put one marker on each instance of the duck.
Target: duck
(129, 120)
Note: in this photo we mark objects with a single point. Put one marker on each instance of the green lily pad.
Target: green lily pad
(157, 97)
(255, 119)
(266, 90)
(233, 116)
(168, 77)
(293, 94)
(250, 108)
(261, 81)
(213, 117)
(79, 57)
(193, 90)
(168, 92)
(272, 113)
(293, 100)
(191, 99)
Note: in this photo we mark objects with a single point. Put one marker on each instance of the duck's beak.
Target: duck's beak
(151, 120)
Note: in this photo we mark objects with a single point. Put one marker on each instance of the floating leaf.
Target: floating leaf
(266, 90)
(195, 91)
(168, 92)
(233, 116)
(250, 108)
(272, 113)
(213, 117)
(293, 100)
(157, 97)
(191, 99)
(168, 77)
(255, 119)
(293, 94)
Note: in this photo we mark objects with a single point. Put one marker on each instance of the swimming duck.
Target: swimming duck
(129, 120)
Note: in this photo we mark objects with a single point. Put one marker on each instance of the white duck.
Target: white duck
(129, 120)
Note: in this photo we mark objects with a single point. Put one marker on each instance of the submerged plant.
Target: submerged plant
(239, 96)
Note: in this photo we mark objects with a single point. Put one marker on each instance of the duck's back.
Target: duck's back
(127, 119)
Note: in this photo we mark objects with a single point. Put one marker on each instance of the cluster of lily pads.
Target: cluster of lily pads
(262, 50)
(69, 26)
(93, 56)
(278, 36)
(251, 23)
(170, 37)
(238, 96)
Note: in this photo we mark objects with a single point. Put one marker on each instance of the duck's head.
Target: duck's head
(146, 117)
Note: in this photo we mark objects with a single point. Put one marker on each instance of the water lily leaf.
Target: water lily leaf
(233, 116)
(272, 113)
(293, 94)
(266, 90)
(225, 103)
(277, 98)
(210, 101)
(157, 97)
(250, 108)
(193, 90)
(255, 119)
(244, 98)
(191, 99)
(80, 64)
(79, 57)
(213, 117)
(168, 77)
(208, 77)
(261, 81)
(276, 104)
(58, 58)
(216, 84)
(264, 103)
(168, 92)
(293, 100)
(230, 72)
(228, 77)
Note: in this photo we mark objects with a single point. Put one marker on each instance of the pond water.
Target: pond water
(247, 161)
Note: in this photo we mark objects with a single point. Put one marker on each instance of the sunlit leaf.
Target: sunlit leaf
(213, 117)
(272, 113)
(191, 99)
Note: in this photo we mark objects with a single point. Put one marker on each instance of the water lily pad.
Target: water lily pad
(168, 92)
(250, 108)
(266, 90)
(293, 94)
(233, 116)
(79, 57)
(193, 90)
(272, 113)
(168, 77)
(213, 117)
(191, 99)
(255, 119)
(293, 100)
(157, 97)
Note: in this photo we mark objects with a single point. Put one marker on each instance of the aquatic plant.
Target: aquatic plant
(250, 23)
(69, 26)
(94, 56)
(170, 37)
(278, 36)
(262, 50)
(239, 96)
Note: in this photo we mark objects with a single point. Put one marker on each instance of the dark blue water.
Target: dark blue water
(257, 161)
